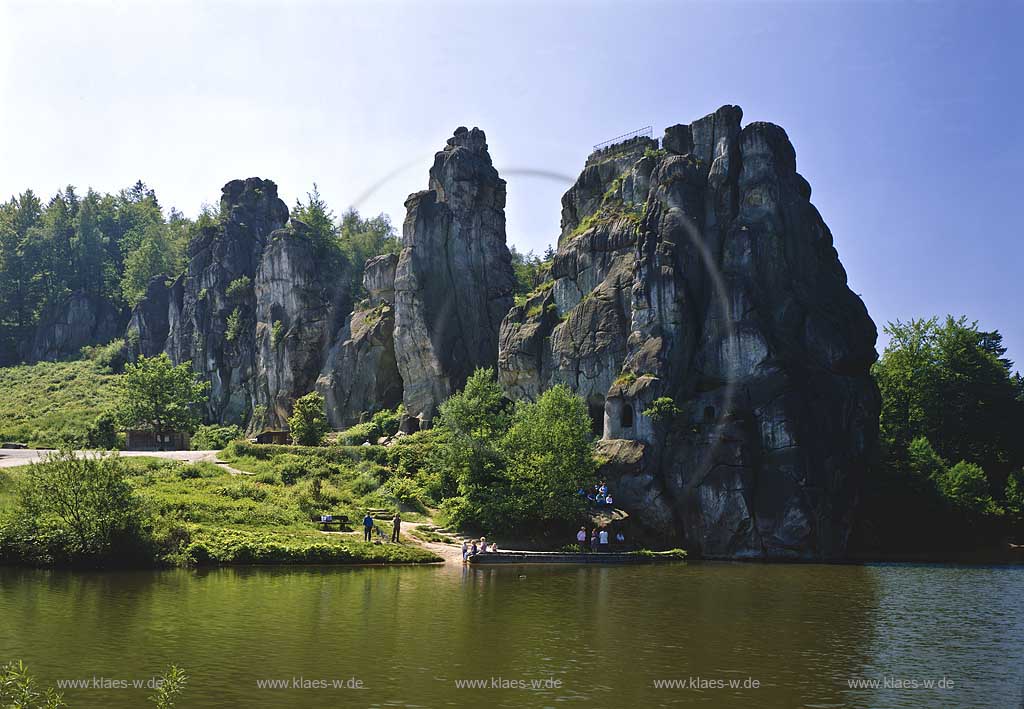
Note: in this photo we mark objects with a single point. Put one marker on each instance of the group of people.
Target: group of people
(469, 548)
(599, 539)
(600, 495)
(368, 527)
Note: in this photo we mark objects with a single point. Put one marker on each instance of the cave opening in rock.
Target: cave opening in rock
(627, 416)
(596, 411)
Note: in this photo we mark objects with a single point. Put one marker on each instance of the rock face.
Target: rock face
(213, 306)
(68, 326)
(454, 279)
(360, 374)
(300, 300)
(147, 330)
(699, 276)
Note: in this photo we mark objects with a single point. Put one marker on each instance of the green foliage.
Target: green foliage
(950, 383)
(236, 546)
(625, 379)
(170, 685)
(80, 509)
(106, 246)
(308, 422)
(515, 468)
(549, 453)
(383, 423)
(277, 333)
(156, 395)
(662, 410)
(215, 436)
(103, 432)
(361, 239)
(316, 215)
(658, 154)
(110, 357)
(239, 288)
(235, 324)
(1014, 495)
(20, 690)
(530, 270)
(50, 404)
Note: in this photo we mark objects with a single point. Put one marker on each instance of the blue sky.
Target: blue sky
(902, 114)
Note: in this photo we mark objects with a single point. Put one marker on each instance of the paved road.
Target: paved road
(10, 458)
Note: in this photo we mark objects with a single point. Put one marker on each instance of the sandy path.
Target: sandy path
(10, 458)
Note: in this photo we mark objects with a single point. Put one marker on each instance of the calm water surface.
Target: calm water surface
(606, 635)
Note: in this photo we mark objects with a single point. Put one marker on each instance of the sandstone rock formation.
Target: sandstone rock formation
(212, 313)
(697, 303)
(148, 327)
(360, 374)
(300, 300)
(454, 280)
(67, 326)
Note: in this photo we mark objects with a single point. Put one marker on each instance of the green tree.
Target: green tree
(549, 452)
(88, 502)
(155, 395)
(966, 486)
(315, 214)
(466, 458)
(102, 434)
(155, 255)
(950, 383)
(308, 422)
(361, 239)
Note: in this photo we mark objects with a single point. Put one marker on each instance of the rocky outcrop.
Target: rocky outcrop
(454, 278)
(67, 326)
(301, 297)
(360, 374)
(697, 303)
(149, 324)
(213, 306)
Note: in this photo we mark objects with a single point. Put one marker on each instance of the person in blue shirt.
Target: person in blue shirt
(367, 527)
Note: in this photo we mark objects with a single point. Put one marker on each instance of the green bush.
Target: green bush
(239, 288)
(110, 357)
(79, 509)
(215, 437)
(308, 422)
(102, 434)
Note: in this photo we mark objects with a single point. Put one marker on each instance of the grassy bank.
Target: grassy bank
(201, 514)
(48, 404)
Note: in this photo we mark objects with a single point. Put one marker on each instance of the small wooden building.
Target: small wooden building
(139, 440)
(268, 436)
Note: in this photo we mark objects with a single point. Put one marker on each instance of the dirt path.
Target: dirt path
(10, 458)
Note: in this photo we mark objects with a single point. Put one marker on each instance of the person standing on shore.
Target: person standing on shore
(593, 540)
(581, 539)
(367, 527)
(602, 539)
(396, 528)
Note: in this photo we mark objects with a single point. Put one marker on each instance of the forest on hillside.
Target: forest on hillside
(109, 246)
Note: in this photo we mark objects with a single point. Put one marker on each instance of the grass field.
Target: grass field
(205, 515)
(48, 404)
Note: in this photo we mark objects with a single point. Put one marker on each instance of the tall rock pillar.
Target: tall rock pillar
(454, 280)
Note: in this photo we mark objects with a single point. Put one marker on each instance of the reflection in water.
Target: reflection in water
(604, 634)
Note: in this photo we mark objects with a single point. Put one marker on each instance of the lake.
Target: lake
(717, 634)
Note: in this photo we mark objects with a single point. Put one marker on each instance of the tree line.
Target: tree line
(109, 247)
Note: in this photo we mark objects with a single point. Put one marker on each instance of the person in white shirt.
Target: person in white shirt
(581, 537)
(602, 539)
